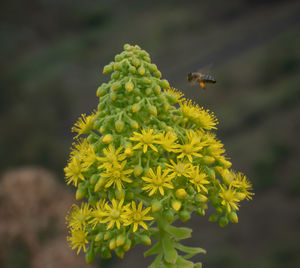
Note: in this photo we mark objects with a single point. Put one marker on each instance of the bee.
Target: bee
(200, 78)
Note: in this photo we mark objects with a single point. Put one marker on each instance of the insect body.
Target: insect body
(199, 78)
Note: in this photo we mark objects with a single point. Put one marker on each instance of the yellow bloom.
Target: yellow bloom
(84, 152)
(74, 171)
(115, 214)
(199, 179)
(116, 175)
(84, 124)
(180, 168)
(137, 216)
(98, 213)
(145, 139)
(202, 118)
(242, 185)
(158, 181)
(78, 239)
(111, 156)
(229, 198)
(78, 217)
(168, 141)
(175, 94)
(191, 147)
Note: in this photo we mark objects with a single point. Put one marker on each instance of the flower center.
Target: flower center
(115, 214)
(187, 148)
(137, 217)
(147, 139)
(116, 174)
(180, 168)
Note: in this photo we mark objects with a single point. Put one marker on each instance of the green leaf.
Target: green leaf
(170, 252)
(190, 250)
(179, 232)
(183, 263)
(154, 250)
(157, 261)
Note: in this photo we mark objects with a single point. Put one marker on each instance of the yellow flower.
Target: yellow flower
(229, 198)
(84, 152)
(175, 94)
(180, 168)
(191, 147)
(145, 139)
(137, 216)
(242, 185)
(84, 124)
(158, 181)
(111, 156)
(202, 118)
(168, 141)
(115, 214)
(78, 217)
(98, 213)
(74, 171)
(199, 179)
(78, 239)
(116, 175)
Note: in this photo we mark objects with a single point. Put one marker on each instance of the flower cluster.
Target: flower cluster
(145, 158)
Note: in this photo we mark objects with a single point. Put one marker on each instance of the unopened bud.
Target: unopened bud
(116, 86)
(112, 244)
(141, 70)
(156, 206)
(176, 205)
(107, 139)
(108, 69)
(138, 170)
(223, 222)
(89, 255)
(145, 240)
(80, 193)
(127, 244)
(119, 125)
(120, 240)
(181, 193)
(184, 215)
(129, 86)
(136, 107)
(233, 217)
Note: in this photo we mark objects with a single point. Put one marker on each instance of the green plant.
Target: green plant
(144, 159)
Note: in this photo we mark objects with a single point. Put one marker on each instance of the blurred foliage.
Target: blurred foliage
(51, 56)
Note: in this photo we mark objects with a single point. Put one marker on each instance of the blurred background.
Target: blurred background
(52, 55)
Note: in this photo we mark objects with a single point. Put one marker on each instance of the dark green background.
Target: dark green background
(52, 55)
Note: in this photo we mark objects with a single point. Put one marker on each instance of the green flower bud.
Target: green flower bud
(200, 198)
(120, 240)
(129, 195)
(223, 222)
(169, 216)
(132, 69)
(147, 59)
(138, 170)
(105, 254)
(80, 193)
(213, 217)
(120, 252)
(113, 96)
(136, 107)
(127, 244)
(152, 110)
(152, 68)
(107, 139)
(94, 178)
(116, 86)
(134, 124)
(233, 217)
(101, 182)
(129, 86)
(127, 47)
(157, 89)
(102, 129)
(108, 68)
(145, 239)
(156, 206)
(115, 75)
(157, 74)
(191, 190)
(208, 160)
(164, 83)
(184, 215)
(200, 211)
(211, 173)
(141, 70)
(118, 66)
(120, 194)
(119, 125)
(107, 235)
(148, 91)
(112, 244)
(99, 237)
(135, 62)
(118, 57)
(89, 255)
